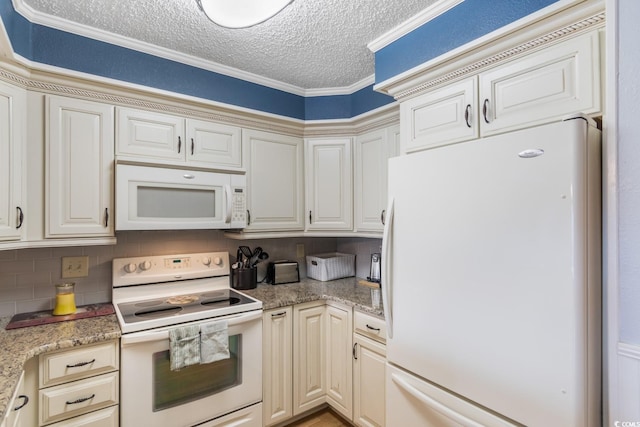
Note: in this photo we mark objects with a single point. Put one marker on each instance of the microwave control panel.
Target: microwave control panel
(238, 206)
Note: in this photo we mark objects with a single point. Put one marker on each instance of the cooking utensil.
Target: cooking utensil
(254, 257)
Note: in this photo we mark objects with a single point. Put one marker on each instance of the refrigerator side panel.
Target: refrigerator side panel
(489, 277)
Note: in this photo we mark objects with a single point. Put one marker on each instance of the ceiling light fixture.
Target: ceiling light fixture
(241, 13)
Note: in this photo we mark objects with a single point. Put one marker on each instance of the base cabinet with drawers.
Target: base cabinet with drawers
(369, 367)
(79, 386)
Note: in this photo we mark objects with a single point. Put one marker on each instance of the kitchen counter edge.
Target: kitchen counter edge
(20, 345)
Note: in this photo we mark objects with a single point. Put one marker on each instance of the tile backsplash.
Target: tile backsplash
(27, 276)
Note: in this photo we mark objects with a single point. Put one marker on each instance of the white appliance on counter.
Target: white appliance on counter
(492, 281)
(154, 294)
(162, 198)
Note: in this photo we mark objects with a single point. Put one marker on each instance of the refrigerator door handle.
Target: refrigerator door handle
(433, 403)
(387, 273)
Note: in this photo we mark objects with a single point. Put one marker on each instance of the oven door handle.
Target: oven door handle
(150, 336)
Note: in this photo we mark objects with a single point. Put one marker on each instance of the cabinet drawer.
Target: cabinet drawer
(78, 397)
(85, 361)
(103, 418)
(370, 326)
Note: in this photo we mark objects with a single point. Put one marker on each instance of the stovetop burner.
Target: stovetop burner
(157, 308)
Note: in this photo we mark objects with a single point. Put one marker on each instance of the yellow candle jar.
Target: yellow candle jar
(65, 299)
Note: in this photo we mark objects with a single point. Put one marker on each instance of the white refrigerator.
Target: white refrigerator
(491, 281)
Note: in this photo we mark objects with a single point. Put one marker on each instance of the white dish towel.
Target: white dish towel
(184, 346)
(214, 341)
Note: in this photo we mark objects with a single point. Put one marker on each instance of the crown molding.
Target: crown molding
(500, 46)
(386, 115)
(61, 24)
(347, 90)
(412, 23)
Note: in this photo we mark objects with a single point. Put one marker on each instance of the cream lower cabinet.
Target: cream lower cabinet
(275, 181)
(79, 167)
(369, 368)
(12, 133)
(339, 368)
(309, 356)
(79, 386)
(277, 384)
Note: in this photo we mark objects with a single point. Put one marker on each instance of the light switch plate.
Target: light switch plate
(300, 250)
(75, 266)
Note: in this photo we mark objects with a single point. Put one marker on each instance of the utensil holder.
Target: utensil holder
(244, 278)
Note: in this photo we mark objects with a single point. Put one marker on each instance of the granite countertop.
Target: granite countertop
(346, 291)
(19, 345)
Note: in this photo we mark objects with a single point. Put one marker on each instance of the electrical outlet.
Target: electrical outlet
(300, 250)
(75, 266)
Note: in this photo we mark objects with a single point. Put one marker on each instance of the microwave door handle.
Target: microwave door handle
(227, 195)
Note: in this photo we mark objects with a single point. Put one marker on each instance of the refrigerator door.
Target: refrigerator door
(418, 403)
(492, 272)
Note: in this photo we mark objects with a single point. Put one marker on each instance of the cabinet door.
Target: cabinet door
(339, 367)
(309, 382)
(329, 184)
(12, 112)
(369, 360)
(277, 365)
(543, 86)
(79, 168)
(275, 181)
(212, 144)
(440, 117)
(150, 135)
(373, 150)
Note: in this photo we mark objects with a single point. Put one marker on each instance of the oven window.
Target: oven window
(167, 202)
(172, 388)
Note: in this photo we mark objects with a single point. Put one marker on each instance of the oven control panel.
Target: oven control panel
(165, 268)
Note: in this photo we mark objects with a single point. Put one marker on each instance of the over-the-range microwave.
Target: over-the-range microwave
(163, 198)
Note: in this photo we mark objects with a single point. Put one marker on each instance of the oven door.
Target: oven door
(152, 394)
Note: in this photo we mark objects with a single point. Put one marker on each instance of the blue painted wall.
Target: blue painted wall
(467, 21)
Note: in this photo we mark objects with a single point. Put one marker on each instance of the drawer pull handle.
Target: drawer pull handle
(82, 399)
(373, 329)
(280, 314)
(354, 351)
(25, 400)
(77, 365)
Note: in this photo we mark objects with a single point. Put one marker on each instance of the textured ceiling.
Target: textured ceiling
(311, 44)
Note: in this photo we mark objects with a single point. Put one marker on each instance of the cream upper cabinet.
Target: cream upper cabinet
(533, 89)
(339, 367)
(443, 116)
(372, 151)
(277, 365)
(309, 350)
(79, 168)
(275, 181)
(12, 133)
(542, 86)
(155, 137)
(329, 186)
